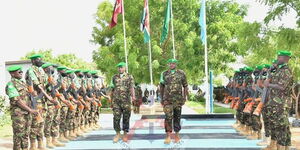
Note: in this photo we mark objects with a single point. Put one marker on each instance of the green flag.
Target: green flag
(165, 29)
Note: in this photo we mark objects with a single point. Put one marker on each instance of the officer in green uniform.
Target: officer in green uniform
(138, 96)
(20, 108)
(172, 82)
(97, 97)
(280, 102)
(36, 76)
(79, 95)
(122, 85)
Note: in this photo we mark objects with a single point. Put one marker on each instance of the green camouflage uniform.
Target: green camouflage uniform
(21, 119)
(266, 112)
(173, 81)
(138, 95)
(37, 76)
(121, 85)
(96, 86)
(64, 109)
(280, 104)
(71, 117)
(247, 116)
(79, 112)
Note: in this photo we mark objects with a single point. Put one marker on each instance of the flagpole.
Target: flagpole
(150, 63)
(206, 69)
(124, 33)
(172, 28)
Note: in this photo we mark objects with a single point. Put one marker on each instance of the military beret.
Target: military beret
(14, 68)
(46, 65)
(35, 56)
(250, 69)
(266, 66)
(259, 67)
(86, 71)
(69, 71)
(93, 72)
(61, 68)
(121, 64)
(77, 70)
(236, 71)
(284, 53)
(172, 61)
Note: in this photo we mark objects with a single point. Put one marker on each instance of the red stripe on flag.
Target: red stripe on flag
(118, 9)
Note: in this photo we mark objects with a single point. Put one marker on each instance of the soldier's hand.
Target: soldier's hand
(35, 112)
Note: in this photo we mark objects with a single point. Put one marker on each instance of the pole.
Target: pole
(206, 70)
(211, 92)
(124, 33)
(172, 28)
(150, 63)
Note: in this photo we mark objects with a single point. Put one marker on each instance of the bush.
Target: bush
(4, 112)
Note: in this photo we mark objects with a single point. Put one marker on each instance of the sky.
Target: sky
(65, 26)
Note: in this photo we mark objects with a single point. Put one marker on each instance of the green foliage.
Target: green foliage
(4, 112)
(196, 98)
(68, 60)
(280, 8)
(223, 18)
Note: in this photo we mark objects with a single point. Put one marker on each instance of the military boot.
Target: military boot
(62, 138)
(41, 145)
(168, 138)
(49, 143)
(280, 147)
(125, 137)
(33, 145)
(117, 137)
(266, 141)
(67, 136)
(177, 137)
(56, 143)
(272, 146)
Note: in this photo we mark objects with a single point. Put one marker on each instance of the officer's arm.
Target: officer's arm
(284, 82)
(23, 105)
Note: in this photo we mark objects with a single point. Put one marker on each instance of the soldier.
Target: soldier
(97, 97)
(280, 102)
(138, 95)
(20, 108)
(51, 124)
(172, 82)
(35, 77)
(122, 85)
(62, 80)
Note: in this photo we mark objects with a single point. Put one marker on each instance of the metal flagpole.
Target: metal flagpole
(150, 63)
(172, 28)
(124, 33)
(207, 105)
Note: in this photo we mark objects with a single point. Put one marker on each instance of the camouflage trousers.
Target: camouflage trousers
(78, 117)
(97, 115)
(52, 122)
(71, 118)
(63, 117)
(92, 114)
(240, 114)
(121, 109)
(255, 120)
(279, 122)
(21, 128)
(172, 117)
(37, 129)
(266, 119)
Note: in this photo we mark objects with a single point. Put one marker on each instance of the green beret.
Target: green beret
(121, 64)
(172, 61)
(14, 68)
(61, 68)
(266, 65)
(77, 70)
(86, 71)
(46, 65)
(259, 67)
(93, 72)
(69, 71)
(236, 71)
(284, 53)
(250, 69)
(274, 61)
(35, 56)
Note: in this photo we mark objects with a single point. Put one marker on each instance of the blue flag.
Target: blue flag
(202, 22)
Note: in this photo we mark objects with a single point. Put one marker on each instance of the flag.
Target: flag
(165, 30)
(118, 9)
(145, 22)
(202, 22)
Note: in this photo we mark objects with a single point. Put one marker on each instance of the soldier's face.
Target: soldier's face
(38, 62)
(172, 65)
(283, 59)
(17, 74)
(121, 69)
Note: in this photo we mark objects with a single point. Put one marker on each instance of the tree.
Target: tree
(68, 60)
(223, 18)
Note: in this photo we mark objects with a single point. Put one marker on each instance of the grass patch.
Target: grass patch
(106, 111)
(200, 108)
(6, 131)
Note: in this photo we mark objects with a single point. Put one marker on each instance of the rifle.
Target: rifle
(33, 99)
(241, 93)
(265, 93)
(249, 106)
(52, 89)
